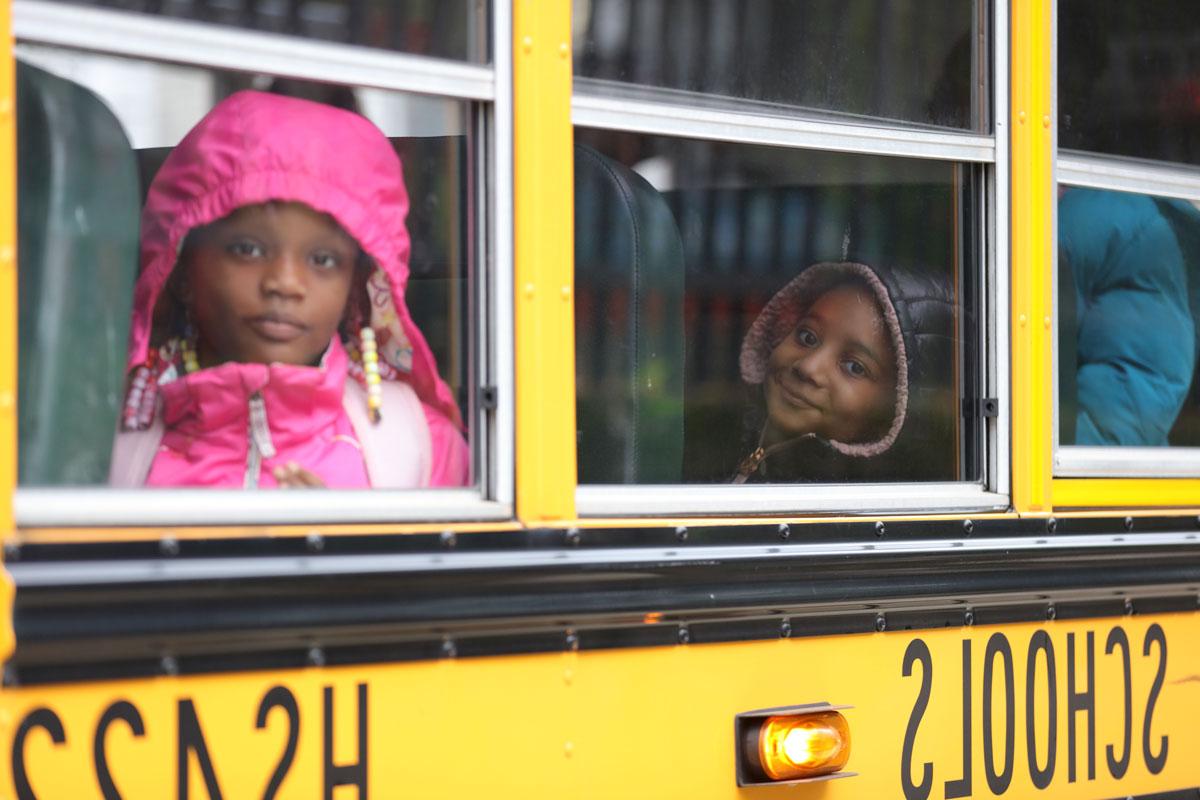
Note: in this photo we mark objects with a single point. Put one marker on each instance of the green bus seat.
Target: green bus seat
(78, 210)
(629, 338)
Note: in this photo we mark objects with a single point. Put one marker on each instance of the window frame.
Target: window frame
(488, 88)
(648, 110)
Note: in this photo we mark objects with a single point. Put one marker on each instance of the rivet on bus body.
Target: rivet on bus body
(1022, 320)
(1046, 121)
(6, 107)
(7, 254)
(1046, 321)
(5, 718)
(7, 400)
(527, 44)
(1021, 117)
(568, 676)
(529, 290)
(566, 293)
(568, 749)
(564, 50)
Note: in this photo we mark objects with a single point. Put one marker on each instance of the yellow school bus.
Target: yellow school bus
(634, 597)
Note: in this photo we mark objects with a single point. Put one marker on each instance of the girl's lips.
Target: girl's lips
(277, 327)
(792, 397)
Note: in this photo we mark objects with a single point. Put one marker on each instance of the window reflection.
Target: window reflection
(920, 61)
(1128, 298)
(1129, 78)
(455, 29)
(676, 332)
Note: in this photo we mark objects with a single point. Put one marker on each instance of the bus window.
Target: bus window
(858, 57)
(272, 325)
(456, 29)
(1129, 78)
(1128, 398)
(792, 316)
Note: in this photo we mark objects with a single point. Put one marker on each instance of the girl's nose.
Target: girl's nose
(813, 365)
(284, 275)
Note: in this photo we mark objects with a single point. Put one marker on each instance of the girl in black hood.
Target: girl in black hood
(838, 362)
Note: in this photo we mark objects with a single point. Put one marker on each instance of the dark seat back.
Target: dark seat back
(629, 338)
(78, 209)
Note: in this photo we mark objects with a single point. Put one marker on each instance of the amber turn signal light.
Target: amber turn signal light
(803, 746)
(792, 744)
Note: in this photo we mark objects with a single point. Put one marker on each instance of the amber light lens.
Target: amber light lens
(803, 746)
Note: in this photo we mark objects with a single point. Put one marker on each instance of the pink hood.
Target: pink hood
(254, 148)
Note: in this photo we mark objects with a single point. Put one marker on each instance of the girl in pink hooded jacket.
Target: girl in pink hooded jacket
(270, 342)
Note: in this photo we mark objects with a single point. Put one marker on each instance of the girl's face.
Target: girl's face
(835, 374)
(268, 283)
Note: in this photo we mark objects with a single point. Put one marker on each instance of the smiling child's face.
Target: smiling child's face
(834, 374)
(268, 283)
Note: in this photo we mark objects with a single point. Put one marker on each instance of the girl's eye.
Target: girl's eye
(854, 368)
(247, 249)
(806, 338)
(326, 261)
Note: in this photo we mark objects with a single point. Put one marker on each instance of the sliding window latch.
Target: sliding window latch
(488, 398)
(980, 407)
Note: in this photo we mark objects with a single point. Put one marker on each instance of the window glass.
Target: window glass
(807, 307)
(1129, 78)
(265, 277)
(921, 61)
(1128, 301)
(455, 29)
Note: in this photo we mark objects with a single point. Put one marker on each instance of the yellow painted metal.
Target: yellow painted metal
(650, 722)
(8, 311)
(8, 272)
(1032, 225)
(544, 220)
(1126, 492)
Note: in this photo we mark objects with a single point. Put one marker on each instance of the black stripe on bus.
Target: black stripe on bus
(76, 629)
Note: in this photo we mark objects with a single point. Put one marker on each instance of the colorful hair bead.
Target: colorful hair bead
(190, 362)
(370, 364)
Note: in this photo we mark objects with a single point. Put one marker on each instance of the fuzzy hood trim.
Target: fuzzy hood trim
(781, 315)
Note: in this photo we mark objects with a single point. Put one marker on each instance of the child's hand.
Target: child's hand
(293, 476)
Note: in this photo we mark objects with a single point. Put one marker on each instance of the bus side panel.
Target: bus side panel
(647, 722)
